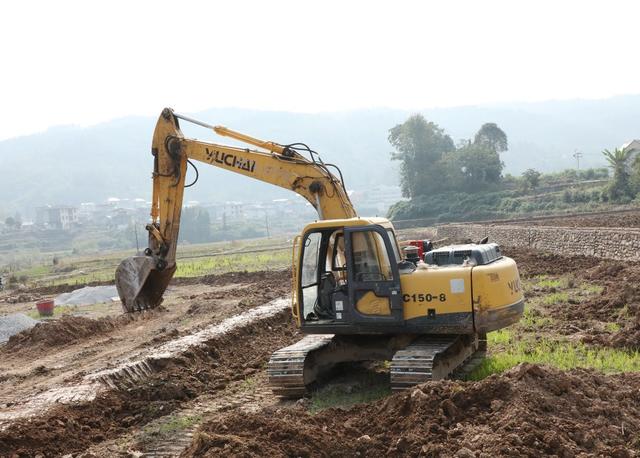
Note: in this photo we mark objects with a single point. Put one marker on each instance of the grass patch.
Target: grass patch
(99, 265)
(534, 319)
(546, 282)
(58, 311)
(612, 327)
(590, 288)
(234, 263)
(169, 427)
(249, 383)
(624, 313)
(500, 337)
(555, 298)
(560, 354)
(370, 386)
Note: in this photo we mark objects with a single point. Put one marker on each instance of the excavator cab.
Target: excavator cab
(348, 276)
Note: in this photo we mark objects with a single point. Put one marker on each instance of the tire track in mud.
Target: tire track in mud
(170, 436)
(137, 368)
(176, 372)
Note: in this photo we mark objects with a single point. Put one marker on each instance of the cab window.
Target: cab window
(309, 274)
(370, 258)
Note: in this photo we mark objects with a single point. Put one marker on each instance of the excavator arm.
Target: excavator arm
(142, 280)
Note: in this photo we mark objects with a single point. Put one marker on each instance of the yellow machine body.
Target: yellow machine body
(463, 298)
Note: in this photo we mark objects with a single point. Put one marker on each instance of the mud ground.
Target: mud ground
(527, 411)
(63, 350)
(530, 410)
(214, 401)
(615, 300)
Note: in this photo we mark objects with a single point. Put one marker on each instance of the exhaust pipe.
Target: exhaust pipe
(141, 284)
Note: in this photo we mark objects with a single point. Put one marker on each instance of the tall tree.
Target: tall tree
(419, 145)
(472, 167)
(530, 179)
(492, 137)
(618, 161)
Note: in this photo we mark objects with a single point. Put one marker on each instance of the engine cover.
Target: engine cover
(456, 254)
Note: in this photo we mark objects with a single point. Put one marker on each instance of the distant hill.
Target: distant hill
(69, 165)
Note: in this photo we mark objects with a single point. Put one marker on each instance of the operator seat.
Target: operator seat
(324, 305)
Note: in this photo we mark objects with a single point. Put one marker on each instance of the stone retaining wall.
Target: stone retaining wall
(622, 244)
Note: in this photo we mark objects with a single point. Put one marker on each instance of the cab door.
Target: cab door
(373, 276)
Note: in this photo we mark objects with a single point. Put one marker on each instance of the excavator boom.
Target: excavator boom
(142, 280)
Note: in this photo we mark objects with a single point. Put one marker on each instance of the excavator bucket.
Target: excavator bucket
(140, 284)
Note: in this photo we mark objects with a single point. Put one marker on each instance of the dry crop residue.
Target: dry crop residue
(528, 411)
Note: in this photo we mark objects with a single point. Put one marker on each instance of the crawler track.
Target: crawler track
(432, 358)
(286, 367)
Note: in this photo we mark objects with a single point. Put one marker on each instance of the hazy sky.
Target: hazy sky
(68, 62)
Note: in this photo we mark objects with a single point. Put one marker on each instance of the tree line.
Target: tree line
(431, 163)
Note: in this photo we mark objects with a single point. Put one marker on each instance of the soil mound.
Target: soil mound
(272, 276)
(528, 411)
(532, 262)
(66, 330)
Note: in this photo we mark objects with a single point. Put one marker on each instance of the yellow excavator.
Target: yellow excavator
(354, 296)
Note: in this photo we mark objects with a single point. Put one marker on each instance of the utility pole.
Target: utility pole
(577, 154)
(266, 222)
(135, 231)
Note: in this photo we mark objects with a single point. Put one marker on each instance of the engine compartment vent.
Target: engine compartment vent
(456, 254)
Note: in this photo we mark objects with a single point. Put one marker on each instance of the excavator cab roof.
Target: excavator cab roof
(347, 222)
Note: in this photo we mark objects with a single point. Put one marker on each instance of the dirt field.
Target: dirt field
(619, 219)
(212, 400)
(528, 411)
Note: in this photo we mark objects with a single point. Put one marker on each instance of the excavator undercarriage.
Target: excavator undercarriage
(414, 359)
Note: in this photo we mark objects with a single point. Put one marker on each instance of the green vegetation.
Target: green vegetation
(193, 260)
(430, 163)
(546, 282)
(561, 354)
(533, 340)
(277, 259)
(620, 187)
(465, 182)
(58, 311)
(612, 327)
(533, 319)
(370, 387)
(555, 298)
(169, 426)
(591, 289)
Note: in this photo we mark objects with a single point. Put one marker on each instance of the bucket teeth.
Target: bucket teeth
(140, 284)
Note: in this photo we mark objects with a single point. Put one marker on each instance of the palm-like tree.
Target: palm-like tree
(617, 160)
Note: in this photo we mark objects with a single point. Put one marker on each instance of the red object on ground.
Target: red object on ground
(45, 307)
